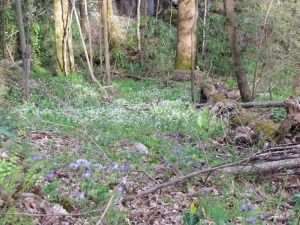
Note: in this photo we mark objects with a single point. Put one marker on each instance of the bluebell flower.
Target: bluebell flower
(120, 189)
(177, 150)
(115, 165)
(99, 166)
(34, 158)
(262, 216)
(251, 219)
(50, 175)
(243, 208)
(79, 194)
(205, 190)
(87, 174)
(83, 162)
(126, 167)
(74, 165)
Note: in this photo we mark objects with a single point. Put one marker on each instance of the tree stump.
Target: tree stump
(291, 123)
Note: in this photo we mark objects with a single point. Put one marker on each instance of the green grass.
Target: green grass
(66, 122)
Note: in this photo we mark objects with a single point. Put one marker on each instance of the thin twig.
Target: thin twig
(109, 201)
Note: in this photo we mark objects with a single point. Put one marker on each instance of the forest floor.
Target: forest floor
(67, 157)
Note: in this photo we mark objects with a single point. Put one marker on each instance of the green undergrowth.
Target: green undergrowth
(72, 149)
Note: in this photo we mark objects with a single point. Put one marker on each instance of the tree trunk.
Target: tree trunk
(25, 73)
(21, 26)
(3, 30)
(186, 36)
(237, 60)
(83, 15)
(100, 43)
(89, 34)
(138, 13)
(106, 44)
(63, 38)
(146, 30)
(113, 34)
(26, 54)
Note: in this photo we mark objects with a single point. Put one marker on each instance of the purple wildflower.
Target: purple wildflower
(99, 166)
(262, 216)
(124, 180)
(243, 208)
(79, 194)
(177, 150)
(83, 162)
(205, 190)
(50, 175)
(126, 167)
(251, 219)
(115, 165)
(120, 189)
(34, 158)
(74, 165)
(87, 174)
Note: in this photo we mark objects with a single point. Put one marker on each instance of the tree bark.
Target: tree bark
(25, 73)
(63, 38)
(138, 13)
(21, 26)
(88, 27)
(237, 60)
(186, 45)
(84, 47)
(106, 44)
(83, 16)
(113, 32)
(26, 54)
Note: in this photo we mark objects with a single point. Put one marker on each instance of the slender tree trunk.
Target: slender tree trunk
(146, 30)
(106, 45)
(205, 29)
(138, 13)
(21, 26)
(237, 60)
(26, 54)
(113, 34)
(84, 46)
(3, 28)
(83, 15)
(193, 30)
(89, 34)
(186, 45)
(100, 42)
(63, 36)
(25, 73)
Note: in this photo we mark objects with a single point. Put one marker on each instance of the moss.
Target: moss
(170, 14)
(218, 98)
(243, 117)
(183, 62)
(267, 129)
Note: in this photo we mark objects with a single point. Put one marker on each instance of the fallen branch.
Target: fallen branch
(264, 167)
(186, 177)
(229, 169)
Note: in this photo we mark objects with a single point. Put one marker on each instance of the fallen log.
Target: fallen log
(264, 167)
(263, 127)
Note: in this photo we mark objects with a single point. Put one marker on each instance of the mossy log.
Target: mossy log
(263, 127)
